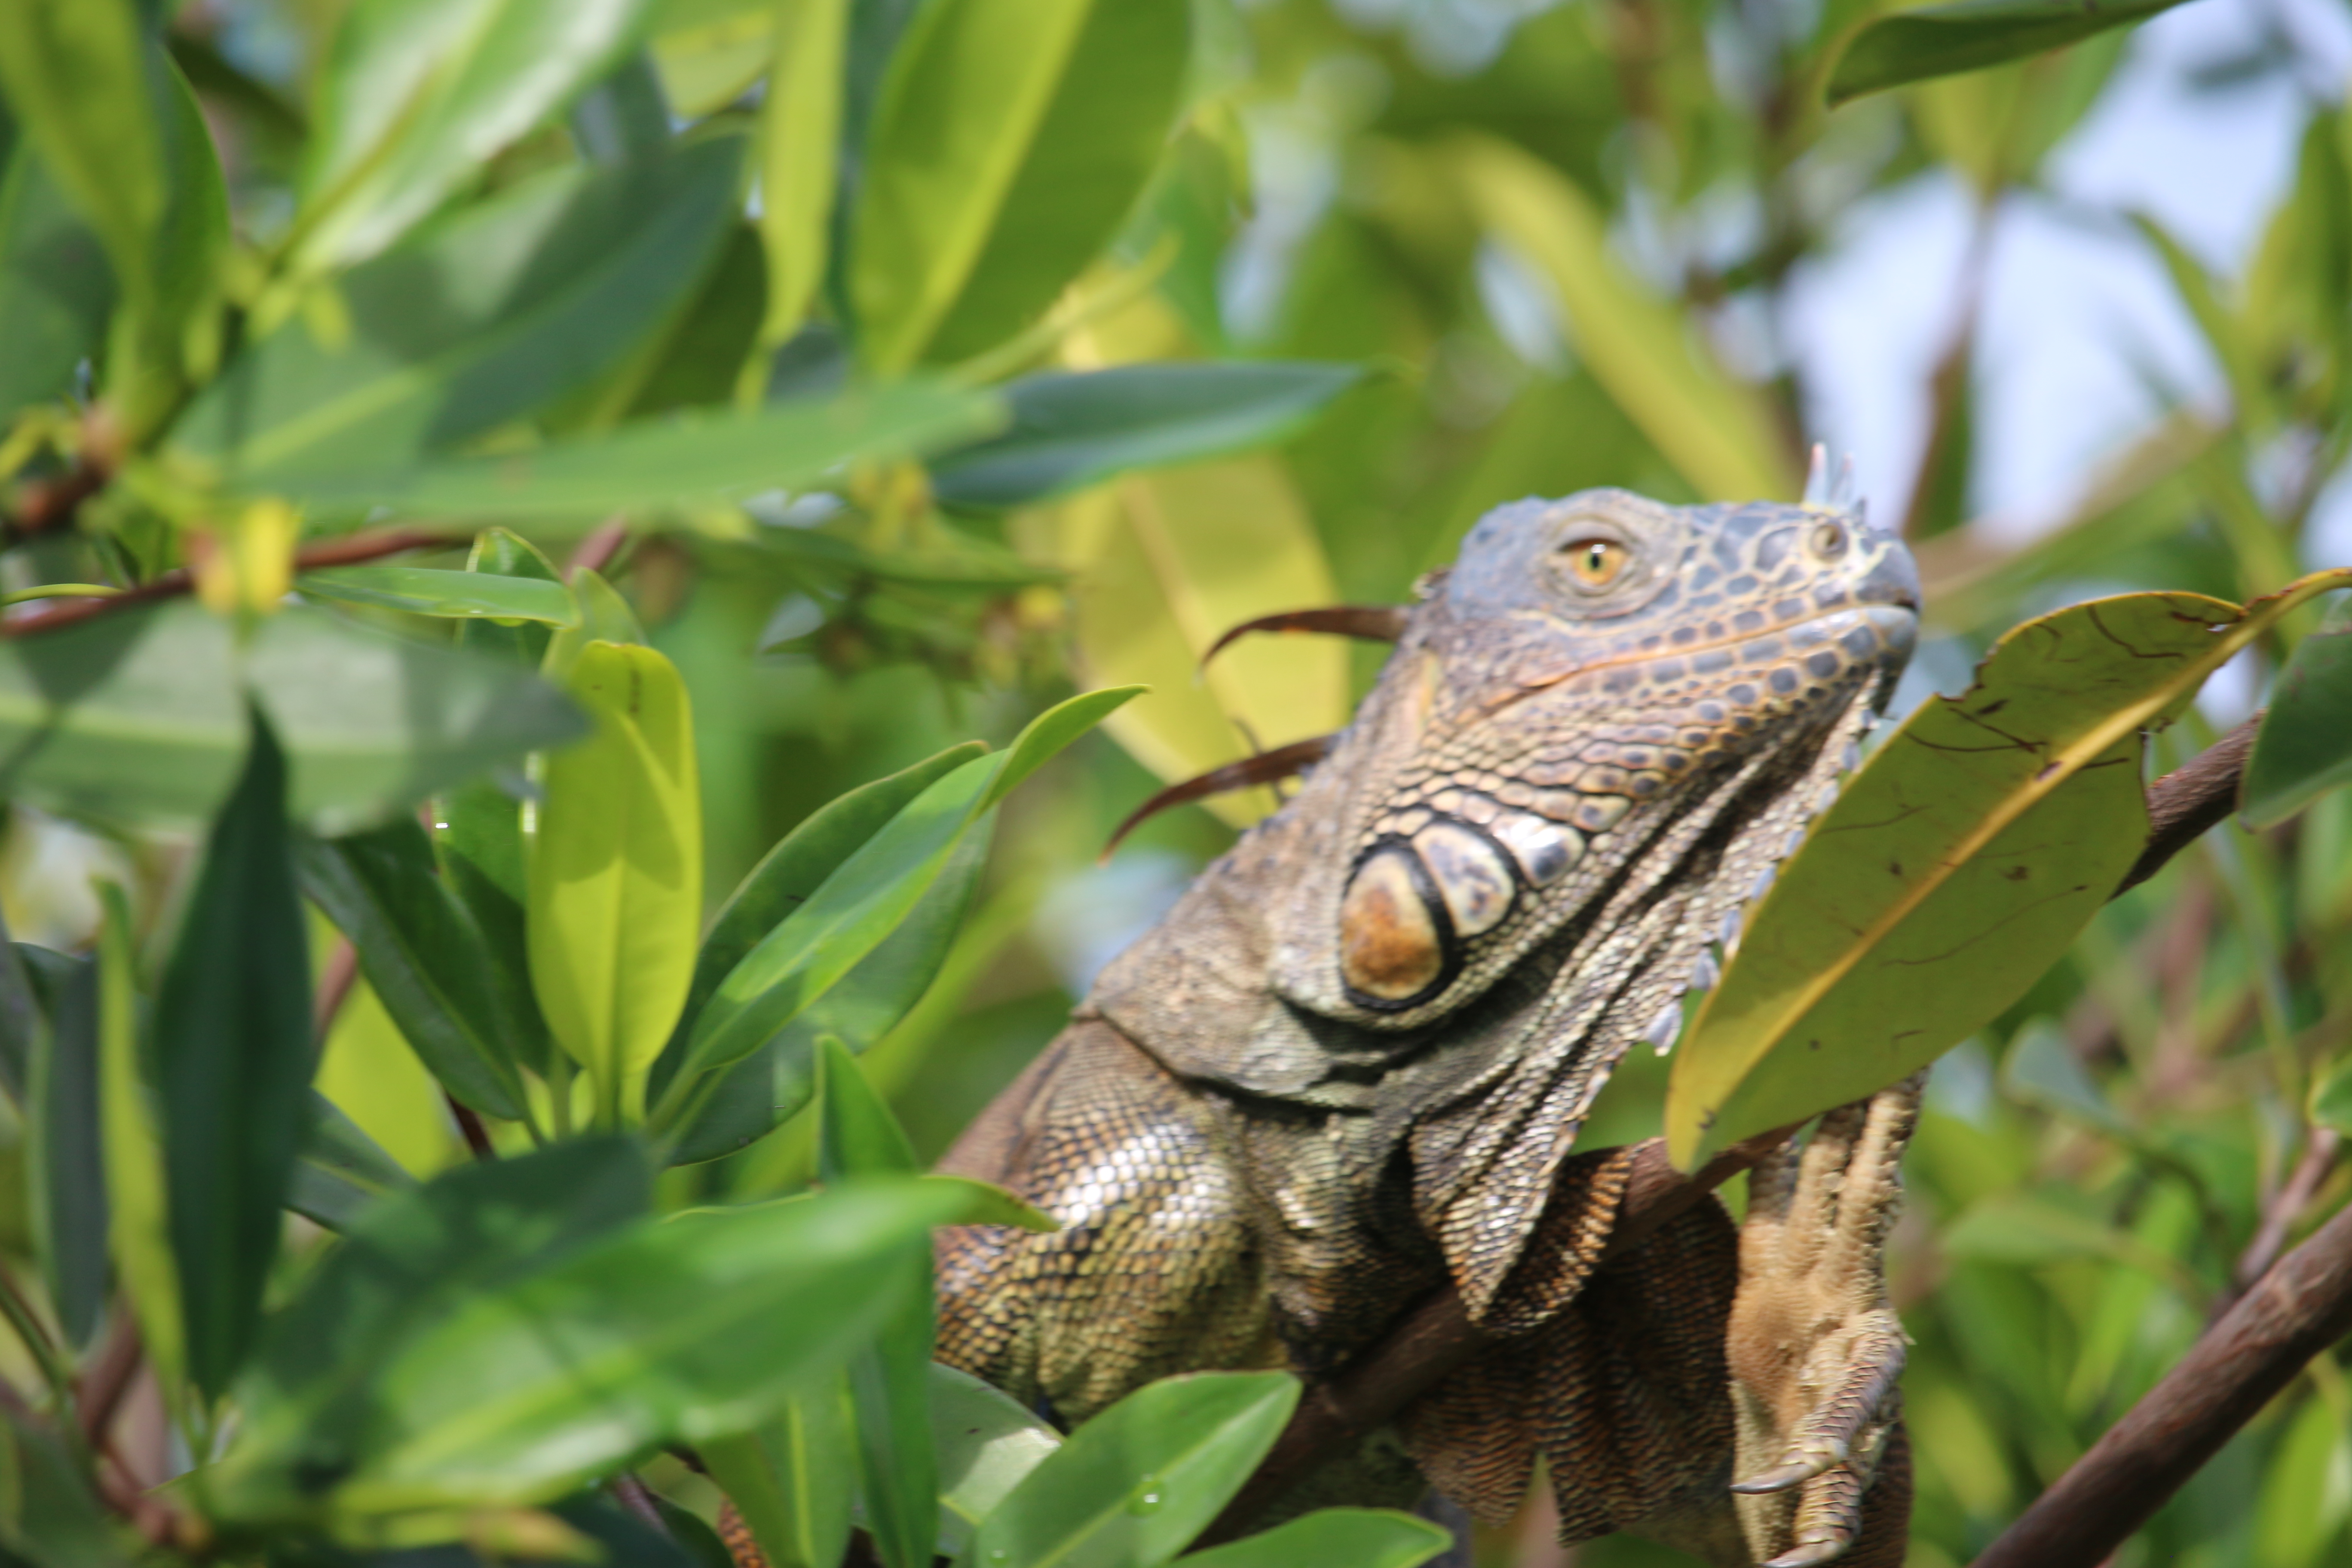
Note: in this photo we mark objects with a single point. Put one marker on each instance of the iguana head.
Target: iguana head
(1589, 670)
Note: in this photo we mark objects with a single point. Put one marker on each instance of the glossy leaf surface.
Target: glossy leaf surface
(614, 869)
(1132, 1486)
(987, 1442)
(233, 1065)
(1969, 35)
(793, 1477)
(449, 595)
(1071, 430)
(1360, 1537)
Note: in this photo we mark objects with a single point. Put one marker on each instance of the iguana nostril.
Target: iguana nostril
(1391, 949)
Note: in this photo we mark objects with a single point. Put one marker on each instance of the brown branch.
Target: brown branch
(1439, 1336)
(336, 977)
(47, 504)
(478, 1137)
(2191, 798)
(347, 550)
(2299, 1308)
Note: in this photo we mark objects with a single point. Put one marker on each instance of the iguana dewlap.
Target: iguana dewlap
(1350, 1063)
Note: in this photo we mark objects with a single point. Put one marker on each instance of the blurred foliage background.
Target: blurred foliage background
(1566, 242)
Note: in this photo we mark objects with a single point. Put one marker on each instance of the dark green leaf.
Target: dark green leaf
(410, 1262)
(693, 1327)
(232, 1063)
(987, 1441)
(501, 552)
(1942, 40)
(27, 996)
(481, 320)
(1070, 430)
(1132, 1486)
(2305, 746)
(456, 595)
(55, 287)
(670, 463)
(1359, 1537)
(343, 1169)
(793, 1477)
(754, 1095)
(422, 954)
(623, 117)
(135, 715)
(417, 94)
(889, 1379)
(63, 1157)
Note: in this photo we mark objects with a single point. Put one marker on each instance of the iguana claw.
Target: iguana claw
(1815, 1345)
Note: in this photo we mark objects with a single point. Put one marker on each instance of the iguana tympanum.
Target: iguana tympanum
(1350, 1065)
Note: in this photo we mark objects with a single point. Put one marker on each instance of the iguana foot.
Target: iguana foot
(1815, 1346)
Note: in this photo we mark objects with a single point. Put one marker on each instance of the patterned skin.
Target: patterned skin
(1350, 1065)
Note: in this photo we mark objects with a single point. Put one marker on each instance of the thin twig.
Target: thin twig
(107, 1378)
(336, 978)
(47, 504)
(595, 552)
(2279, 1218)
(478, 1137)
(1439, 1336)
(346, 551)
(638, 1498)
(2302, 1306)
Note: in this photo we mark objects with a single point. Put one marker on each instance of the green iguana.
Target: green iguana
(1350, 1065)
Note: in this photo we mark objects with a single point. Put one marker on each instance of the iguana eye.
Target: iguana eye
(1596, 563)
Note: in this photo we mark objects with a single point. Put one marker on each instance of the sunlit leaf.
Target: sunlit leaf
(615, 867)
(793, 1477)
(1969, 35)
(55, 287)
(2305, 746)
(416, 94)
(1955, 868)
(800, 133)
(233, 1065)
(1132, 1486)
(138, 1212)
(665, 464)
(1072, 431)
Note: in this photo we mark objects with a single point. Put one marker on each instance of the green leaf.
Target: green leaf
(135, 717)
(423, 954)
(984, 111)
(987, 1442)
(753, 1097)
(845, 919)
(1132, 1486)
(137, 1233)
(65, 1163)
(793, 1478)
(690, 1328)
(503, 553)
(1359, 1537)
(406, 1264)
(1955, 868)
(78, 78)
(889, 1380)
(673, 463)
(233, 1065)
(1716, 430)
(1044, 738)
(1104, 131)
(56, 287)
(800, 136)
(2331, 1098)
(600, 614)
(479, 320)
(53, 1517)
(450, 596)
(1069, 431)
(615, 869)
(1969, 35)
(416, 95)
(342, 1171)
(2306, 1489)
(26, 997)
(2304, 748)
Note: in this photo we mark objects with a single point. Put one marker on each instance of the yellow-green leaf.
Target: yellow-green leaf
(800, 135)
(138, 1210)
(1714, 429)
(615, 875)
(1955, 868)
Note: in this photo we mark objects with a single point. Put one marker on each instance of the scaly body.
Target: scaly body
(1350, 1065)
